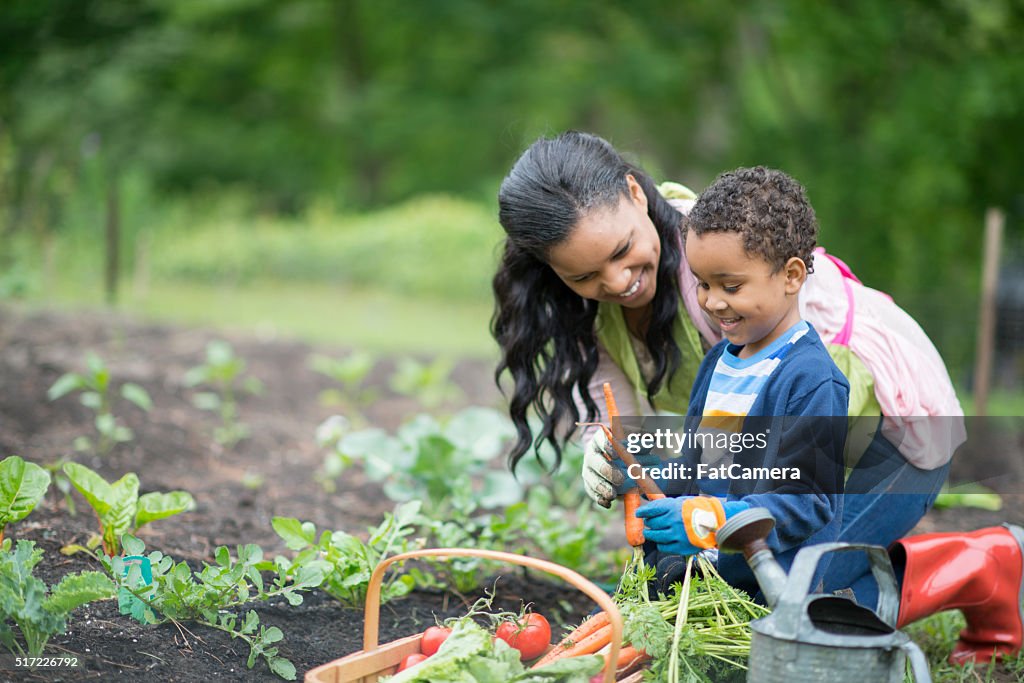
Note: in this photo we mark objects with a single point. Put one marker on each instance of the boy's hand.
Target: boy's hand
(686, 525)
(604, 480)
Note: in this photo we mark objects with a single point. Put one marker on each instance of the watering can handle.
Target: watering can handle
(788, 608)
(918, 662)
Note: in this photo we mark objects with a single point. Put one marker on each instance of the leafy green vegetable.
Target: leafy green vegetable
(348, 562)
(472, 655)
(22, 486)
(25, 601)
(207, 596)
(118, 506)
(701, 632)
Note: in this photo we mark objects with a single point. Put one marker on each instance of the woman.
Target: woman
(593, 288)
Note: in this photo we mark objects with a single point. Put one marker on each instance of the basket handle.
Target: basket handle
(371, 630)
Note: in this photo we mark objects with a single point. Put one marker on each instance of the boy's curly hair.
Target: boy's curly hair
(767, 207)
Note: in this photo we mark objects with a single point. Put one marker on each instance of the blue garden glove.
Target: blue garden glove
(686, 525)
(605, 480)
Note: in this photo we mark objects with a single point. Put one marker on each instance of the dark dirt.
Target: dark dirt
(174, 449)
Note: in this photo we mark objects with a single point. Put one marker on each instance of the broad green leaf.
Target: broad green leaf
(96, 490)
(137, 395)
(75, 590)
(282, 667)
(65, 384)
(219, 353)
(293, 532)
(206, 400)
(106, 424)
(90, 399)
(122, 511)
(154, 506)
(500, 489)
(195, 376)
(273, 635)
(22, 486)
(132, 545)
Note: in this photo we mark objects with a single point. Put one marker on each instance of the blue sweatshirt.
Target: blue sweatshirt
(799, 416)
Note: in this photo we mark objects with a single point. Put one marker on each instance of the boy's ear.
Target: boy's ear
(796, 273)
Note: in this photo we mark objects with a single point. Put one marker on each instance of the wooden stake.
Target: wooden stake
(994, 220)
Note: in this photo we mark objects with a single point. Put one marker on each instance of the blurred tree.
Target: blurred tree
(904, 120)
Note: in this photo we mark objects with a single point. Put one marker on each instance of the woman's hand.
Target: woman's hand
(604, 475)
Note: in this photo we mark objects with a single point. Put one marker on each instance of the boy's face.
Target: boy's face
(752, 305)
(612, 254)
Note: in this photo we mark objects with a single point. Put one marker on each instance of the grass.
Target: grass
(315, 312)
(937, 635)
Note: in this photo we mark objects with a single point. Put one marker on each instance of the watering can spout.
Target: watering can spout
(747, 533)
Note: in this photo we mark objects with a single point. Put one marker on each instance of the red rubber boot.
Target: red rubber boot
(980, 573)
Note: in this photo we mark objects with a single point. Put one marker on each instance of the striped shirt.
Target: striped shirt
(735, 385)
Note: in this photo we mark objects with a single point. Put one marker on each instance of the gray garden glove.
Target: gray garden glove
(605, 480)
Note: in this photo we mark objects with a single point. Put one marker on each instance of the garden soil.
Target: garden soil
(237, 490)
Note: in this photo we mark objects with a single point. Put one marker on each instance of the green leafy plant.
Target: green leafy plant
(40, 613)
(22, 486)
(349, 560)
(95, 387)
(209, 596)
(446, 465)
(429, 383)
(350, 372)
(118, 505)
(223, 371)
(471, 499)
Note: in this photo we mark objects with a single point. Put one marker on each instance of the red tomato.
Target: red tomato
(410, 661)
(531, 635)
(432, 639)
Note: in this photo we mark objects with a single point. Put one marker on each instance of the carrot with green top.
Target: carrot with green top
(589, 627)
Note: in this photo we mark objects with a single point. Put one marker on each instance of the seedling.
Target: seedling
(222, 371)
(95, 388)
(349, 372)
(429, 383)
(177, 593)
(119, 507)
(350, 561)
(26, 602)
(445, 465)
(22, 486)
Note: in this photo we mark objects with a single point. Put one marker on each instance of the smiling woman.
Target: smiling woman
(594, 287)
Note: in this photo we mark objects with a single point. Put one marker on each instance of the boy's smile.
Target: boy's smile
(751, 305)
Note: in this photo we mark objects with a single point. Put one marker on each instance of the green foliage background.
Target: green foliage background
(249, 138)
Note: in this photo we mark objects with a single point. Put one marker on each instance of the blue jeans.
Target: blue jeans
(885, 498)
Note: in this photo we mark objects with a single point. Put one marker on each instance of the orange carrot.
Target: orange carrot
(629, 657)
(634, 525)
(613, 411)
(630, 499)
(590, 642)
(585, 628)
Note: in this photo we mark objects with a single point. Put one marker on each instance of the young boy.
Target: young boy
(767, 416)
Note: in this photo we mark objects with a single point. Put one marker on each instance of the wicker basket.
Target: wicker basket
(375, 660)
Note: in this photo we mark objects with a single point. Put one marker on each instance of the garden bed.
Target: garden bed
(237, 490)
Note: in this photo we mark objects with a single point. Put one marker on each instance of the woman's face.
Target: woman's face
(612, 253)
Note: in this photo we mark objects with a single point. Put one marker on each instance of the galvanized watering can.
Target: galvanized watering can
(816, 638)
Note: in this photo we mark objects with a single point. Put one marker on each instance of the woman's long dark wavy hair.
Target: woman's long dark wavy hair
(545, 330)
